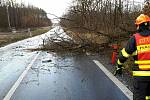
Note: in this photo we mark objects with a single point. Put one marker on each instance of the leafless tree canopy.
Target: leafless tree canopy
(114, 18)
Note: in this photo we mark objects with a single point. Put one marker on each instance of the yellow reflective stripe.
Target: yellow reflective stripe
(141, 73)
(124, 53)
(119, 63)
(142, 62)
(144, 66)
(147, 97)
(143, 48)
(134, 53)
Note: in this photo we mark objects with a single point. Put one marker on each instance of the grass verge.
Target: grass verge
(7, 38)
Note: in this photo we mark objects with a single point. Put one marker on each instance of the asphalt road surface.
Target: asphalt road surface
(53, 76)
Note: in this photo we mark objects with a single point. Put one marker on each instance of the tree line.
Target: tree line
(113, 18)
(20, 15)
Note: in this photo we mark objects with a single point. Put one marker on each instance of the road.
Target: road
(53, 76)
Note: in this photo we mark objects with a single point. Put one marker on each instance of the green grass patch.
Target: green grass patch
(40, 31)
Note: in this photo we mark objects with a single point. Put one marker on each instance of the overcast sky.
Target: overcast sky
(57, 7)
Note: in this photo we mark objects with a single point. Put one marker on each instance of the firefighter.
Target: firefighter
(138, 46)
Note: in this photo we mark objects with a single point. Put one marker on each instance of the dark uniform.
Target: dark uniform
(141, 72)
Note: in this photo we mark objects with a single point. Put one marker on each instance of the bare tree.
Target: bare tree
(113, 18)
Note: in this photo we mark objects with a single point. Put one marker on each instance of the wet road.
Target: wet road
(54, 76)
(14, 58)
(13, 61)
(67, 78)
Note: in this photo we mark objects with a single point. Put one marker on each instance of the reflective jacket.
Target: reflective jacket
(139, 47)
(143, 55)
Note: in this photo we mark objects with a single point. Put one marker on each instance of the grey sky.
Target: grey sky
(56, 7)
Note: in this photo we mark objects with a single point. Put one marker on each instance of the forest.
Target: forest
(18, 15)
(110, 18)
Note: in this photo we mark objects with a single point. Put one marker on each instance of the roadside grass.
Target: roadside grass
(128, 65)
(8, 38)
(40, 31)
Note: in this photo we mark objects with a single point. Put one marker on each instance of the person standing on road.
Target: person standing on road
(138, 46)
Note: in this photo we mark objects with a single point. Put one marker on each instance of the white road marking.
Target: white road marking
(121, 86)
(17, 83)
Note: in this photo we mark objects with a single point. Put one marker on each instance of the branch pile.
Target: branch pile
(61, 41)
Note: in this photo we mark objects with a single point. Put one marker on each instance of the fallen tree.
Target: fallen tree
(60, 41)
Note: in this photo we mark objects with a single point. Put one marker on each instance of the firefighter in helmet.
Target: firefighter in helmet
(138, 46)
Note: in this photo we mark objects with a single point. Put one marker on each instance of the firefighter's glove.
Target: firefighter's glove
(118, 71)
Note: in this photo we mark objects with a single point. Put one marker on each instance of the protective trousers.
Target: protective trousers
(141, 90)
